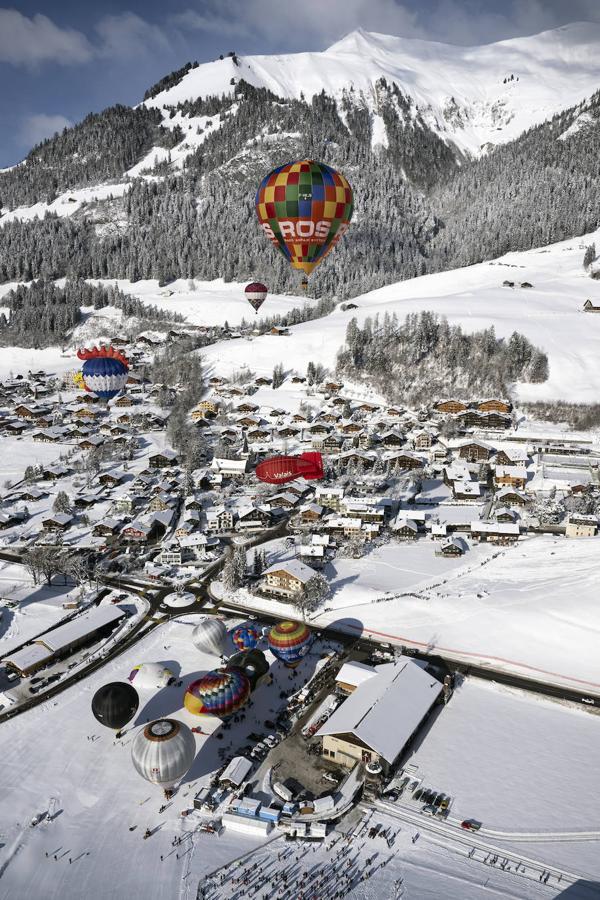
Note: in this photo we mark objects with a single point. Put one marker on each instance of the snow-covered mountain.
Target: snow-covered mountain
(470, 96)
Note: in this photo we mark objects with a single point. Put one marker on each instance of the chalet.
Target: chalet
(452, 546)
(330, 497)
(422, 440)
(394, 412)
(495, 405)
(504, 514)
(29, 412)
(276, 413)
(15, 428)
(263, 381)
(475, 451)
(57, 522)
(510, 497)
(279, 330)
(9, 520)
(124, 400)
(495, 532)
(495, 420)
(298, 379)
(160, 502)
(107, 527)
(526, 284)
(138, 531)
(48, 436)
(356, 458)
(507, 283)
(83, 413)
(471, 418)
(90, 443)
(31, 494)
(219, 518)
(299, 418)
(124, 419)
(53, 473)
(319, 429)
(579, 525)
(110, 479)
(259, 434)
(311, 513)
(248, 421)
(253, 518)
(450, 406)
(406, 530)
(345, 526)
(404, 460)
(588, 306)
(286, 580)
(246, 407)
(330, 417)
(330, 444)
(171, 556)
(162, 459)
(511, 456)
(204, 409)
(392, 439)
(367, 408)
(466, 490)
(283, 501)
(352, 428)
(331, 387)
(288, 431)
(513, 476)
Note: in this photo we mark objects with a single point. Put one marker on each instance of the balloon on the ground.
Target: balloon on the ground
(105, 371)
(280, 469)
(210, 635)
(115, 704)
(304, 208)
(290, 642)
(253, 664)
(150, 675)
(163, 751)
(256, 294)
(245, 637)
(220, 693)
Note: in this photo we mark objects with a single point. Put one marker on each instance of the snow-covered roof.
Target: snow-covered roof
(237, 770)
(511, 528)
(355, 673)
(384, 711)
(28, 657)
(293, 567)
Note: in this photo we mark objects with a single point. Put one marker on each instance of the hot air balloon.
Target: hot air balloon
(245, 637)
(78, 380)
(304, 208)
(279, 469)
(209, 636)
(115, 704)
(219, 693)
(163, 751)
(252, 663)
(150, 675)
(290, 642)
(105, 371)
(256, 294)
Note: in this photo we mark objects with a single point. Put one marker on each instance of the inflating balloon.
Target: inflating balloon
(245, 637)
(280, 469)
(219, 693)
(105, 371)
(163, 751)
(256, 294)
(304, 208)
(114, 704)
(290, 642)
(151, 675)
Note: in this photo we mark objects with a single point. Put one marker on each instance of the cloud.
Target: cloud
(37, 127)
(127, 34)
(29, 42)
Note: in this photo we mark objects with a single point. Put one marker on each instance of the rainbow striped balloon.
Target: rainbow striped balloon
(290, 642)
(220, 693)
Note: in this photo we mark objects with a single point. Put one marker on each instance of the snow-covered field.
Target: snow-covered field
(16, 453)
(530, 609)
(550, 314)
(39, 608)
(517, 763)
(207, 302)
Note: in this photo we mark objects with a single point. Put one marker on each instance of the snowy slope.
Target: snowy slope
(549, 314)
(459, 91)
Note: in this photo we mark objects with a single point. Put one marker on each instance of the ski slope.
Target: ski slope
(550, 314)
(460, 92)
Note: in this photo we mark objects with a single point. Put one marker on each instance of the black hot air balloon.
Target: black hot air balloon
(115, 704)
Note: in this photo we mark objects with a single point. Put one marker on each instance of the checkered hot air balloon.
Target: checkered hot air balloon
(105, 371)
(290, 642)
(245, 637)
(256, 294)
(304, 208)
(220, 693)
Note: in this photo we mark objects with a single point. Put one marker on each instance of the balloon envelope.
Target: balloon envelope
(115, 704)
(245, 637)
(209, 636)
(256, 294)
(280, 469)
(304, 207)
(219, 693)
(253, 664)
(150, 675)
(105, 371)
(290, 642)
(163, 751)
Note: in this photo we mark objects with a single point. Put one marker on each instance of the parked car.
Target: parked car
(429, 809)
(470, 825)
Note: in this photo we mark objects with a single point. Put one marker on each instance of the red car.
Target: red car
(470, 825)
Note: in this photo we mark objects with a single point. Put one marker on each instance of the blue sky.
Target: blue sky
(60, 60)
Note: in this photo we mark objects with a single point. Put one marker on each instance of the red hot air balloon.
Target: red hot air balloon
(256, 293)
(280, 469)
